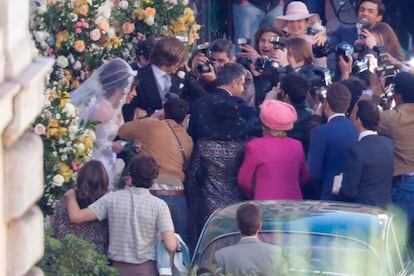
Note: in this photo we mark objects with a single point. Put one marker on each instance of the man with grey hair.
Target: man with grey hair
(230, 80)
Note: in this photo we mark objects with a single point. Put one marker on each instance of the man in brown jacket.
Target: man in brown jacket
(167, 141)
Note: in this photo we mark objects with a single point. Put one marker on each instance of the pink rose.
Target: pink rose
(127, 180)
(78, 30)
(137, 147)
(39, 129)
(75, 166)
(95, 34)
(78, 24)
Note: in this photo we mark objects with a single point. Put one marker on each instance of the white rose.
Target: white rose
(70, 110)
(64, 157)
(111, 33)
(149, 20)
(95, 34)
(123, 5)
(57, 116)
(105, 9)
(58, 180)
(39, 129)
(39, 35)
(73, 129)
(184, 2)
(174, 2)
(73, 17)
(54, 153)
(77, 65)
(181, 74)
(80, 147)
(62, 62)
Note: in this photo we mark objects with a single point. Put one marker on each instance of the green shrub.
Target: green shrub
(73, 256)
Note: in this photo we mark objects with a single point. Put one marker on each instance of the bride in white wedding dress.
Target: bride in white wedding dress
(101, 98)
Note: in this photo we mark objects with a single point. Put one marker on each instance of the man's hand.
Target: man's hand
(281, 57)
(319, 38)
(370, 39)
(249, 52)
(117, 146)
(345, 67)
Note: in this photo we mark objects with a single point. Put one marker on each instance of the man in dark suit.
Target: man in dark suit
(371, 11)
(368, 167)
(163, 78)
(250, 256)
(230, 81)
(329, 141)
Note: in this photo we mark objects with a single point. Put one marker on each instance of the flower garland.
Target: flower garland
(66, 146)
(82, 34)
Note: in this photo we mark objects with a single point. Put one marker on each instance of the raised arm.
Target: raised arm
(77, 215)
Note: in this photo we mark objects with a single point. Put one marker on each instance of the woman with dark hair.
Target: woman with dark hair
(92, 183)
(101, 98)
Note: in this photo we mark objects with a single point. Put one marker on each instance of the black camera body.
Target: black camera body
(360, 65)
(265, 63)
(205, 68)
(243, 41)
(246, 62)
(345, 50)
(363, 24)
(278, 42)
(384, 64)
(320, 79)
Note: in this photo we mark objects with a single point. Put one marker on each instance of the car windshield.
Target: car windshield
(310, 253)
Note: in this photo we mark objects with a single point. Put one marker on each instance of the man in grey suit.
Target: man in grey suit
(250, 256)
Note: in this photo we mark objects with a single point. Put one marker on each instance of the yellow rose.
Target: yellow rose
(103, 25)
(51, 132)
(190, 19)
(79, 46)
(61, 37)
(116, 42)
(81, 10)
(149, 12)
(138, 14)
(53, 123)
(188, 11)
(66, 171)
(86, 140)
(64, 99)
(194, 28)
(128, 28)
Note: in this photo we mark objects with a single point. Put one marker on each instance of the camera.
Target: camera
(320, 79)
(243, 41)
(363, 24)
(383, 63)
(360, 65)
(345, 50)
(204, 67)
(265, 63)
(278, 42)
(246, 62)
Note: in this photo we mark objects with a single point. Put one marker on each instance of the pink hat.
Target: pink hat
(296, 10)
(277, 115)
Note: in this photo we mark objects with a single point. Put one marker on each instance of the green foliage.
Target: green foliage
(73, 256)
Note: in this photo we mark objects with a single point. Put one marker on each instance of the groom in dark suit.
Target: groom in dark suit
(368, 167)
(250, 256)
(163, 78)
(329, 141)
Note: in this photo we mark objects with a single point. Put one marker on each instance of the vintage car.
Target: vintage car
(318, 237)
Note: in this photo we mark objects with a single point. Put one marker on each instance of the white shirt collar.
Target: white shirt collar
(227, 91)
(366, 133)
(159, 75)
(336, 115)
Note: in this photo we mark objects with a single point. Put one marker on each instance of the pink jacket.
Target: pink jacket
(277, 166)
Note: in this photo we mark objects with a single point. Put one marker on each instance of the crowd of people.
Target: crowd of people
(257, 120)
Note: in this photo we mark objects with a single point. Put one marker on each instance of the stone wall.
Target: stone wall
(21, 175)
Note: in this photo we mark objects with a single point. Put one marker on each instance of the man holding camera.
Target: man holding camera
(370, 12)
(211, 58)
(398, 124)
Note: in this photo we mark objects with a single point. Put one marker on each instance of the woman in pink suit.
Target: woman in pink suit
(274, 165)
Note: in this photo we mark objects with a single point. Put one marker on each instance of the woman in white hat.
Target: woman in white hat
(298, 22)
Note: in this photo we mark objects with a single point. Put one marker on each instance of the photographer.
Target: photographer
(299, 23)
(265, 48)
(211, 58)
(370, 12)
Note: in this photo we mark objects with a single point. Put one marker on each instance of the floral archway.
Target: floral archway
(81, 35)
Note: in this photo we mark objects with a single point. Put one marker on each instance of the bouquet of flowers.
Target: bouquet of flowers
(81, 34)
(66, 146)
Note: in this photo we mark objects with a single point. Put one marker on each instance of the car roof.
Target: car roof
(350, 220)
